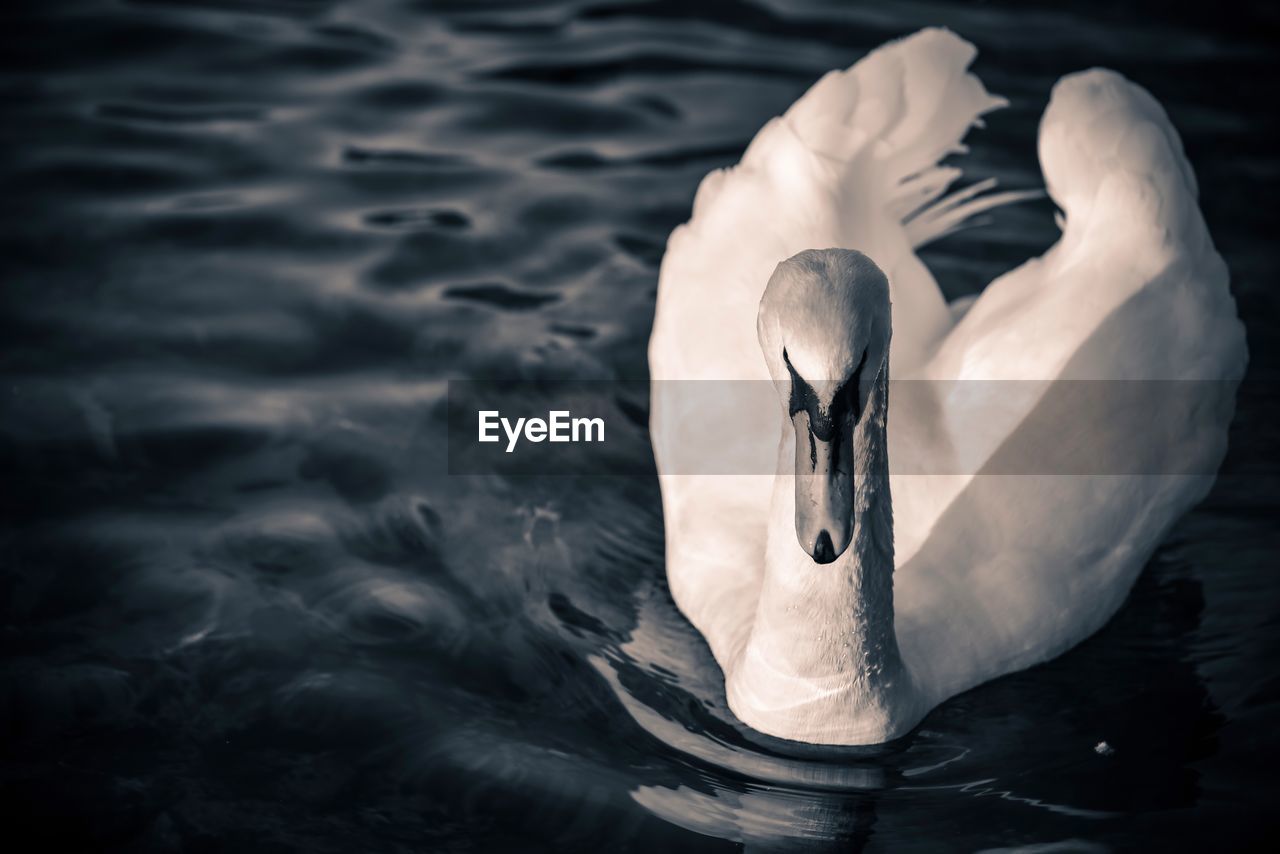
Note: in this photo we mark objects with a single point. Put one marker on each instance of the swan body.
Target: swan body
(956, 549)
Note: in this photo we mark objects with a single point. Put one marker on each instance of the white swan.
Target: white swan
(979, 553)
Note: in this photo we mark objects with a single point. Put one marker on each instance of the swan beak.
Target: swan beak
(824, 487)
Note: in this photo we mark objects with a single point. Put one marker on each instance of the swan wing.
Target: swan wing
(853, 163)
(1091, 387)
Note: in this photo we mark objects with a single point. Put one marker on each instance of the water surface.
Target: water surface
(246, 244)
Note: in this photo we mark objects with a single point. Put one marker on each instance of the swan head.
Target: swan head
(824, 326)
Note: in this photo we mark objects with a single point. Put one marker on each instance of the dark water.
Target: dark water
(245, 244)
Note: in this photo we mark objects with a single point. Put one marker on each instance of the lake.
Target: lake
(245, 247)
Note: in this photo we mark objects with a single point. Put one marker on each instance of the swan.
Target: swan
(890, 551)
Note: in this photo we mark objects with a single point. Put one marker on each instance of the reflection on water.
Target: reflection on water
(247, 244)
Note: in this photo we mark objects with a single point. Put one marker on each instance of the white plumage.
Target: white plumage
(994, 571)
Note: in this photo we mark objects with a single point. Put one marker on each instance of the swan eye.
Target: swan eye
(823, 422)
(847, 396)
(803, 397)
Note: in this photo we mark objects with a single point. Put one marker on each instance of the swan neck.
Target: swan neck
(822, 660)
(850, 600)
